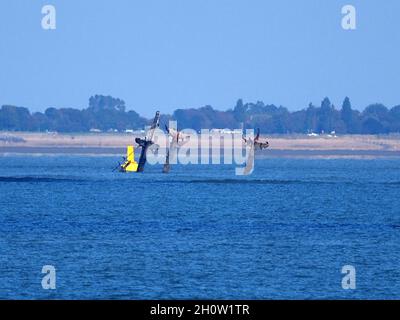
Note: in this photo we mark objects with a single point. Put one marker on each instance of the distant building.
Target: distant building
(312, 134)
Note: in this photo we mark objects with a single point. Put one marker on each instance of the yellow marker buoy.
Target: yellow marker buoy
(130, 165)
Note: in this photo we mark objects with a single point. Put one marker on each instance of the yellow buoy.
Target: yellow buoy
(130, 165)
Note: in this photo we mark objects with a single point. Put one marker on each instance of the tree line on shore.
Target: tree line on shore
(106, 113)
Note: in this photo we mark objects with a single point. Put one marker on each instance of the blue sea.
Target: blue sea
(285, 232)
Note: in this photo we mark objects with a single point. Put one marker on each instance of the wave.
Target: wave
(234, 181)
(392, 183)
(242, 181)
(215, 181)
(225, 181)
(37, 179)
(272, 181)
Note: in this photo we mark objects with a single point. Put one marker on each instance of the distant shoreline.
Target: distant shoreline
(272, 153)
(289, 146)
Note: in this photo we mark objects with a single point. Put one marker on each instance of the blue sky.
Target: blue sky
(188, 53)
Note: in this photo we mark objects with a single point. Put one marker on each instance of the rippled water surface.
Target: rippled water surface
(199, 232)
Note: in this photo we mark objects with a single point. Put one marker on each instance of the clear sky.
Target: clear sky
(170, 54)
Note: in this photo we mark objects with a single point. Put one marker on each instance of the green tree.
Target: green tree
(325, 116)
(347, 115)
(239, 111)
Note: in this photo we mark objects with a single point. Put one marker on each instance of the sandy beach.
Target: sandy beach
(280, 146)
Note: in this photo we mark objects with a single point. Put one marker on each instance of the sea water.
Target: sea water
(200, 232)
